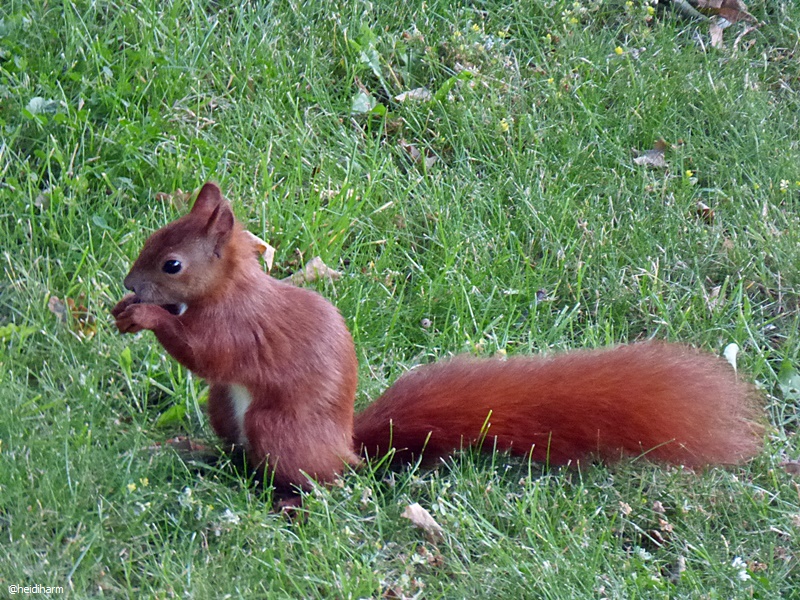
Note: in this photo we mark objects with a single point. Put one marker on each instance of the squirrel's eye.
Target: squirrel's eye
(172, 267)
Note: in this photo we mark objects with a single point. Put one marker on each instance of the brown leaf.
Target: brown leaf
(705, 212)
(744, 33)
(653, 158)
(416, 156)
(715, 29)
(755, 566)
(732, 10)
(422, 519)
(58, 308)
(791, 466)
(395, 592)
(434, 559)
(68, 312)
(672, 572)
(315, 269)
(263, 249)
(179, 199)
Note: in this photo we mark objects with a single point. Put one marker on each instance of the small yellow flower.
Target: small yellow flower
(131, 487)
(502, 34)
(550, 80)
(628, 4)
(756, 186)
(504, 125)
(144, 481)
(619, 50)
(689, 173)
(651, 11)
(457, 33)
(476, 28)
(573, 20)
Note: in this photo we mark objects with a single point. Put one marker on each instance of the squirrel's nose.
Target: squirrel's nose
(129, 284)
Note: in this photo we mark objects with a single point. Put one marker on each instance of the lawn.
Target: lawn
(505, 205)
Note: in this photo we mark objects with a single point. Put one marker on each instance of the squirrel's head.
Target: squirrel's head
(189, 258)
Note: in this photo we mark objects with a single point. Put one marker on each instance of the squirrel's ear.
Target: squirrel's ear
(209, 198)
(219, 226)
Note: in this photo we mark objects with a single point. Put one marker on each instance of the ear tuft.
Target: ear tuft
(209, 198)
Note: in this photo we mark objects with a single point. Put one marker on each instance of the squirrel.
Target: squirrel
(282, 371)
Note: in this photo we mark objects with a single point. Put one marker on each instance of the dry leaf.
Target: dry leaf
(420, 94)
(433, 559)
(715, 29)
(732, 10)
(42, 201)
(791, 466)
(395, 592)
(416, 156)
(411, 150)
(705, 212)
(712, 298)
(67, 311)
(754, 566)
(315, 269)
(653, 158)
(422, 519)
(58, 308)
(263, 249)
(672, 572)
(179, 199)
(744, 33)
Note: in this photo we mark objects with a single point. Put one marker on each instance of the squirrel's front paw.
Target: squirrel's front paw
(123, 304)
(135, 317)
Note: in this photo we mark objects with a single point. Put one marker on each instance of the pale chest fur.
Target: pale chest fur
(240, 401)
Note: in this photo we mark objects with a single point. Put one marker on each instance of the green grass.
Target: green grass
(533, 231)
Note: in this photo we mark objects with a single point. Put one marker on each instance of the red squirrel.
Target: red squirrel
(282, 371)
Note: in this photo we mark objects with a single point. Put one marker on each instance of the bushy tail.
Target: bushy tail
(665, 401)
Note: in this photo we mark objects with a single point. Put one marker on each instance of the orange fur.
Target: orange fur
(665, 401)
(282, 371)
